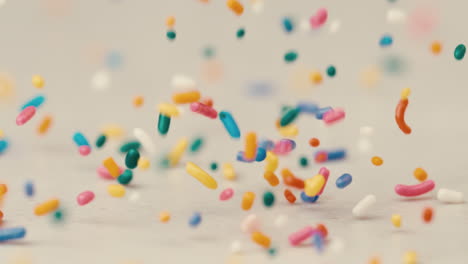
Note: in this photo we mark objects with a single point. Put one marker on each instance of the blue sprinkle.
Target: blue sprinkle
(336, 154)
(266, 144)
(3, 145)
(261, 154)
(195, 220)
(344, 180)
(317, 240)
(114, 60)
(288, 25)
(36, 102)
(260, 88)
(12, 233)
(308, 199)
(29, 188)
(321, 111)
(240, 157)
(308, 108)
(80, 139)
(386, 41)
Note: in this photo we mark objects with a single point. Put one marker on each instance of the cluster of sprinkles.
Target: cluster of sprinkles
(119, 171)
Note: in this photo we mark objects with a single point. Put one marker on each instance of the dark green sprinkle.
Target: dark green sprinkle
(290, 56)
(164, 163)
(171, 34)
(197, 143)
(163, 124)
(272, 252)
(289, 116)
(101, 140)
(126, 177)
(304, 162)
(459, 52)
(209, 52)
(268, 199)
(131, 160)
(285, 108)
(58, 215)
(127, 146)
(214, 166)
(331, 71)
(240, 33)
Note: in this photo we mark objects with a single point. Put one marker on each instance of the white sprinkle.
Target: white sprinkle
(336, 245)
(236, 246)
(182, 82)
(449, 196)
(134, 196)
(335, 26)
(257, 6)
(304, 25)
(250, 224)
(363, 206)
(366, 131)
(2, 3)
(396, 16)
(364, 145)
(145, 140)
(281, 220)
(100, 80)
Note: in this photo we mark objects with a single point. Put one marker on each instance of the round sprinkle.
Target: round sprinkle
(84, 150)
(315, 77)
(59, 215)
(126, 177)
(116, 190)
(268, 199)
(164, 216)
(410, 257)
(290, 56)
(138, 101)
(374, 260)
(331, 71)
(420, 174)
(272, 251)
(427, 214)
(143, 163)
(386, 40)
(171, 34)
(170, 21)
(303, 162)
(3, 189)
(459, 52)
(38, 81)
(195, 220)
(214, 166)
(314, 142)
(288, 24)
(436, 47)
(209, 52)
(240, 33)
(396, 220)
(377, 161)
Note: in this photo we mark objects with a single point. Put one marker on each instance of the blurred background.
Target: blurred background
(96, 56)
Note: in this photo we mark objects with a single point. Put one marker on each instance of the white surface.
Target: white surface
(109, 230)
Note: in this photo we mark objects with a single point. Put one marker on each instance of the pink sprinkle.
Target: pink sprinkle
(415, 190)
(297, 237)
(104, 173)
(202, 109)
(333, 116)
(319, 18)
(25, 115)
(325, 173)
(84, 150)
(226, 194)
(85, 197)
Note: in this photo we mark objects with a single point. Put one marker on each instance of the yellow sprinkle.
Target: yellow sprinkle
(312, 186)
(138, 101)
(44, 125)
(113, 131)
(143, 163)
(38, 81)
(170, 110)
(177, 152)
(164, 216)
(316, 77)
(405, 93)
(1, 133)
(228, 172)
(370, 76)
(250, 145)
(116, 190)
(111, 167)
(290, 131)
(410, 257)
(235, 6)
(201, 175)
(170, 21)
(271, 162)
(47, 207)
(186, 97)
(396, 220)
(374, 260)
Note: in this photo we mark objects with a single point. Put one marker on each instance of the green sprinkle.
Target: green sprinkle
(164, 163)
(459, 52)
(268, 199)
(126, 177)
(289, 116)
(163, 124)
(272, 251)
(331, 71)
(171, 34)
(101, 140)
(240, 33)
(127, 146)
(290, 56)
(131, 159)
(197, 143)
(58, 215)
(304, 162)
(209, 52)
(214, 166)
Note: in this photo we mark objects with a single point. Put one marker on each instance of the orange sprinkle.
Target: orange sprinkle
(322, 228)
(3, 189)
(186, 97)
(1, 215)
(289, 196)
(316, 77)
(170, 21)
(314, 142)
(290, 180)
(235, 6)
(164, 216)
(400, 116)
(436, 47)
(261, 239)
(427, 214)
(207, 101)
(44, 125)
(271, 178)
(321, 157)
(138, 101)
(377, 161)
(420, 174)
(374, 260)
